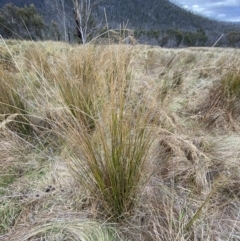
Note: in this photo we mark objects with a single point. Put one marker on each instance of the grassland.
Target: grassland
(117, 142)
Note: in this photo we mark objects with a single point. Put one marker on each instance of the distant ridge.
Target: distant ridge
(159, 22)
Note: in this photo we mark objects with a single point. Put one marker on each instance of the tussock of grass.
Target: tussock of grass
(110, 162)
(221, 107)
(169, 84)
(80, 85)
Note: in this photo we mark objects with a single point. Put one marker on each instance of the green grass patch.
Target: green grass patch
(9, 211)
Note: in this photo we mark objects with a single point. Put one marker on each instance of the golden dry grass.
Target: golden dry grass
(92, 113)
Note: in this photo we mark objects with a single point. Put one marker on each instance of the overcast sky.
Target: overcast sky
(224, 10)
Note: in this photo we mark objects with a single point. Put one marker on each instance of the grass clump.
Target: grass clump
(80, 86)
(111, 162)
(222, 107)
(169, 85)
(231, 84)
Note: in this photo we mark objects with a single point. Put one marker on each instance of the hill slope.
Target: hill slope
(153, 20)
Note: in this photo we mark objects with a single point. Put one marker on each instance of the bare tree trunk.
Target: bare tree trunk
(82, 9)
(64, 22)
(77, 19)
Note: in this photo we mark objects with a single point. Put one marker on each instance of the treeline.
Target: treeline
(178, 38)
(161, 22)
(27, 23)
(173, 37)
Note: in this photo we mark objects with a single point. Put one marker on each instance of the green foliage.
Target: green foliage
(153, 33)
(54, 31)
(202, 37)
(139, 32)
(23, 22)
(198, 38)
(177, 34)
(6, 179)
(190, 39)
(8, 213)
(195, 38)
(113, 163)
(233, 38)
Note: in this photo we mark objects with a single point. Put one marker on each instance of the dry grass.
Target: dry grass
(123, 143)
(221, 107)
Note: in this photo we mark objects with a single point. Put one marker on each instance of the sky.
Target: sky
(223, 10)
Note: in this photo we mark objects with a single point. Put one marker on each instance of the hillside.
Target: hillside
(116, 142)
(158, 22)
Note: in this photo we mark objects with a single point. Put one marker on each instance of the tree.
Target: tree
(64, 21)
(83, 10)
(23, 22)
(233, 37)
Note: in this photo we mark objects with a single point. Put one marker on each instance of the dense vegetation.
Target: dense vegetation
(23, 23)
(26, 23)
(116, 142)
